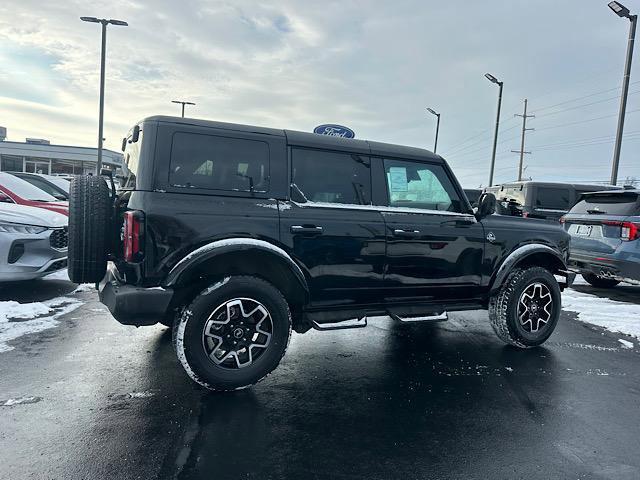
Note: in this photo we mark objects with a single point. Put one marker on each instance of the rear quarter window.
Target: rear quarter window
(213, 162)
(553, 198)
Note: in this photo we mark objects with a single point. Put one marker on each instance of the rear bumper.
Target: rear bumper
(131, 305)
(605, 266)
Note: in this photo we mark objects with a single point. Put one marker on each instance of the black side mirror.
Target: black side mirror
(135, 135)
(486, 205)
(124, 144)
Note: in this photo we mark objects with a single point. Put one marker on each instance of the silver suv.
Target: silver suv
(605, 237)
(33, 242)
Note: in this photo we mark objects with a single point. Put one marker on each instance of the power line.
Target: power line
(593, 94)
(575, 107)
(585, 121)
(579, 140)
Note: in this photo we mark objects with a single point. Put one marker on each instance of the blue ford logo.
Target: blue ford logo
(334, 131)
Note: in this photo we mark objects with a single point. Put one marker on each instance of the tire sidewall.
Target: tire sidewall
(191, 323)
(517, 331)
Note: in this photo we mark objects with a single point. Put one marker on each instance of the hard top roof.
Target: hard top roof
(312, 140)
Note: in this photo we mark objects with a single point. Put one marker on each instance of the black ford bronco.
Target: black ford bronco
(234, 235)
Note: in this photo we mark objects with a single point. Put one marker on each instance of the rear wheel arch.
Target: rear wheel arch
(248, 257)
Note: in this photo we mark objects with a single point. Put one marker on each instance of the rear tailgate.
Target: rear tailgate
(597, 223)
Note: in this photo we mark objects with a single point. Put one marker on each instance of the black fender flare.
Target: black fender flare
(519, 254)
(227, 245)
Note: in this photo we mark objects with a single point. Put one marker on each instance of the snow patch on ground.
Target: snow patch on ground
(19, 401)
(141, 394)
(84, 287)
(619, 317)
(18, 319)
(626, 343)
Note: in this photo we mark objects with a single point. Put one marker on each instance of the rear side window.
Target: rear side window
(625, 204)
(330, 177)
(553, 198)
(219, 163)
(420, 185)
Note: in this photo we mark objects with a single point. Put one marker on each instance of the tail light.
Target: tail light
(628, 230)
(133, 240)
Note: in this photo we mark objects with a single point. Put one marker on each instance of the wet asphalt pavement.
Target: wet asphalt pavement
(392, 401)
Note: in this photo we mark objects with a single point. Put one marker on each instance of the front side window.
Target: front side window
(553, 198)
(330, 177)
(219, 163)
(420, 185)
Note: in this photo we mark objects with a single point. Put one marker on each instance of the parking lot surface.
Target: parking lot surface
(90, 398)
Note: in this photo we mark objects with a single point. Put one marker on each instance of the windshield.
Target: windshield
(24, 189)
(613, 204)
(60, 182)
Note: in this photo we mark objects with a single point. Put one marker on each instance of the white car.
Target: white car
(33, 242)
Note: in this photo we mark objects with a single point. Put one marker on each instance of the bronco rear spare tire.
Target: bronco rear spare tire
(89, 218)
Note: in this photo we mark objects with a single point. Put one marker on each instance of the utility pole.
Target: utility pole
(524, 131)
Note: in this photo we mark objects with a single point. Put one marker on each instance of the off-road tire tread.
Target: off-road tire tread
(89, 215)
(185, 314)
(499, 305)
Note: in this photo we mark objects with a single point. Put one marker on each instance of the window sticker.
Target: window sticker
(398, 179)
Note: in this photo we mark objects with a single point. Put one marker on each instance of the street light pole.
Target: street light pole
(430, 110)
(183, 104)
(101, 114)
(622, 11)
(500, 84)
(104, 22)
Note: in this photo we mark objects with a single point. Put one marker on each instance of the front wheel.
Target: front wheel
(233, 334)
(527, 307)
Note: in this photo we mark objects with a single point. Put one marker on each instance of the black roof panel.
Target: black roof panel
(312, 140)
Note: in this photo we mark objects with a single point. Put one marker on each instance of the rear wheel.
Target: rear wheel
(600, 282)
(89, 217)
(526, 309)
(233, 334)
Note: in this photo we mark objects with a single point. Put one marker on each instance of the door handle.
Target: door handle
(459, 222)
(310, 229)
(406, 233)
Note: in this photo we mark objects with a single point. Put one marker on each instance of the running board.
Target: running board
(344, 325)
(443, 317)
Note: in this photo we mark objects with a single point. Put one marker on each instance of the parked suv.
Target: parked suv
(605, 231)
(234, 235)
(544, 200)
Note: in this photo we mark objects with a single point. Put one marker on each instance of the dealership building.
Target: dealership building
(40, 156)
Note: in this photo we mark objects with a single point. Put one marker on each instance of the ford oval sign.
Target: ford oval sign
(334, 131)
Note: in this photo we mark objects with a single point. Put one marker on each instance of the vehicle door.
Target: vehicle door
(331, 228)
(434, 247)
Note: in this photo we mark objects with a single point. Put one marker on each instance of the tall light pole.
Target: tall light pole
(104, 23)
(500, 84)
(623, 12)
(183, 104)
(432, 111)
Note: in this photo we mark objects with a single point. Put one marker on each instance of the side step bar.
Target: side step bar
(325, 327)
(443, 317)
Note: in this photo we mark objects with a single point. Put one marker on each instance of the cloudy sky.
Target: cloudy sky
(371, 65)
